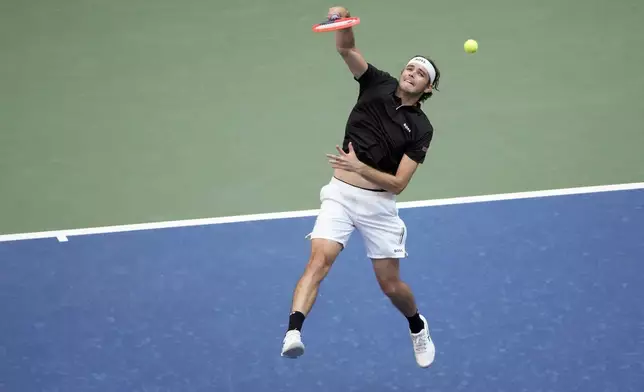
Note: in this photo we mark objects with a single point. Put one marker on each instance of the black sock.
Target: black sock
(295, 321)
(415, 323)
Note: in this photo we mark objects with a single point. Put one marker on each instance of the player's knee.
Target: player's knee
(391, 287)
(319, 264)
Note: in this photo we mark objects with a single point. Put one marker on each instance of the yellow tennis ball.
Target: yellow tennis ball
(471, 46)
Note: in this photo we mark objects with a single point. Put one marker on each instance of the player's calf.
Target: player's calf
(401, 297)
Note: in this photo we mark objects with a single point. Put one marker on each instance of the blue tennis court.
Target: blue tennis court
(537, 294)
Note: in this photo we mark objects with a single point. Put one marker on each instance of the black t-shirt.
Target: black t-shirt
(381, 129)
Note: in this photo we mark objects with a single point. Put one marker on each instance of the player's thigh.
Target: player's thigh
(387, 271)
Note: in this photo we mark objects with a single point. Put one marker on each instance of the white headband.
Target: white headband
(423, 62)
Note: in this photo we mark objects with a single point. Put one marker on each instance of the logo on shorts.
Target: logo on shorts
(399, 250)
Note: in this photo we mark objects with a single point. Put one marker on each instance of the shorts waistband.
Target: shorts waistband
(358, 187)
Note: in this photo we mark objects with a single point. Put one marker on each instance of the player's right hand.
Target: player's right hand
(338, 12)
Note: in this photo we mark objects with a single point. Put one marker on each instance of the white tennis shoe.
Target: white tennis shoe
(292, 346)
(424, 349)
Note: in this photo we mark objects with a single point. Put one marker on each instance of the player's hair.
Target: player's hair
(428, 95)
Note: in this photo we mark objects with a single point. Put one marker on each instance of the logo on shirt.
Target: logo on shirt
(406, 127)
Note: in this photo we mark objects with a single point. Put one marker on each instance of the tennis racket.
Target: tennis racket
(336, 23)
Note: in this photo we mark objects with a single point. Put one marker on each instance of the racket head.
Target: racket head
(336, 24)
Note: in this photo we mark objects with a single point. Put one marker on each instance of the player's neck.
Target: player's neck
(407, 99)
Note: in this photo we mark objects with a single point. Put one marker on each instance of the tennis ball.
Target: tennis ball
(471, 46)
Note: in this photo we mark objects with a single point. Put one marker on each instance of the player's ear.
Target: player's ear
(428, 88)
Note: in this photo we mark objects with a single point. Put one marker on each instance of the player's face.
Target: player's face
(414, 80)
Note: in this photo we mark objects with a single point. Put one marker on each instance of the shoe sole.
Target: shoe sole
(293, 352)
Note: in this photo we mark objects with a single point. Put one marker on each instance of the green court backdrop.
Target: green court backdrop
(116, 112)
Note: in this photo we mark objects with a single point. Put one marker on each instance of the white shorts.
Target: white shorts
(373, 214)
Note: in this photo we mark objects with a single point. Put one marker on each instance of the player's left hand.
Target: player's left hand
(345, 161)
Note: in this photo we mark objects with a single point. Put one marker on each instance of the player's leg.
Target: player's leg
(388, 275)
(385, 237)
(323, 254)
(331, 232)
(387, 272)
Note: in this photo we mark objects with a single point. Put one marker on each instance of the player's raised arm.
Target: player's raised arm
(346, 45)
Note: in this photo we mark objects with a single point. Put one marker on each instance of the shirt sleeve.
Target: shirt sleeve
(373, 77)
(417, 150)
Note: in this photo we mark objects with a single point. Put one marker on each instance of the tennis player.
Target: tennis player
(387, 136)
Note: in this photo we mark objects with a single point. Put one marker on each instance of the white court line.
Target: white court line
(62, 235)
